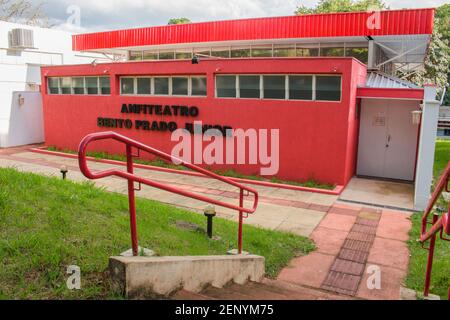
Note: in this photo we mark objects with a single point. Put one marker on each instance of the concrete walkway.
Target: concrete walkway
(293, 211)
(352, 240)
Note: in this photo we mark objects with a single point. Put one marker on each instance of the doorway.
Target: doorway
(387, 139)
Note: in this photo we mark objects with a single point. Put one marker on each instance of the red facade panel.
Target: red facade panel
(395, 22)
(317, 139)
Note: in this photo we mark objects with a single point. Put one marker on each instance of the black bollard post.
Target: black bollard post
(210, 213)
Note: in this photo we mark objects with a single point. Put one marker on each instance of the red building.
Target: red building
(324, 81)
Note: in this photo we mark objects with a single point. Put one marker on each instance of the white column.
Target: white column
(427, 144)
(371, 55)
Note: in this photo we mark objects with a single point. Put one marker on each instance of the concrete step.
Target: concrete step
(266, 290)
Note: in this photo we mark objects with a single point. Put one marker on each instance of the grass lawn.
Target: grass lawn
(47, 224)
(227, 173)
(441, 267)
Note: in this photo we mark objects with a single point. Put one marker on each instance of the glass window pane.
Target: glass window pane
(300, 87)
(359, 53)
(328, 88)
(284, 51)
(263, 51)
(307, 52)
(127, 85)
(150, 55)
(183, 55)
(226, 86)
(135, 55)
(332, 52)
(65, 84)
(144, 86)
(105, 85)
(180, 86)
(202, 52)
(53, 85)
(161, 86)
(249, 86)
(274, 87)
(198, 86)
(240, 52)
(220, 52)
(166, 55)
(91, 85)
(78, 85)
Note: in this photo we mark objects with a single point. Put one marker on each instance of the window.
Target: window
(183, 55)
(226, 86)
(127, 85)
(284, 51)
(105, 85)
(150, 55)
(169, 55)
(202, 51)
(78, 85)
(332, 52)
(249, 87)
(91, 85)
(261, 51)
(240, 52)
(135, 55)
(274, 87)
(180, 86)
(220, 52)
(328, 88)
(65, 85)
(144, 86)
(198, 86)
(161, 86)
(53, 85)
(300, 87)
(307, 52)
(362, 54)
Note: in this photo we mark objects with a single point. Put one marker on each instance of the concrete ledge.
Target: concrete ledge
(164, 276)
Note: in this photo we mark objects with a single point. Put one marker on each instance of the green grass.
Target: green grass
(47, 224)
(228, 173)
(441, 267)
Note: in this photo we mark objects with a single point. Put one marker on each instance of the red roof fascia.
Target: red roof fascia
(390, 93)
(393, 22)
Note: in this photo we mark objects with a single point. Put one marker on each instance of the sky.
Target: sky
(99, 15)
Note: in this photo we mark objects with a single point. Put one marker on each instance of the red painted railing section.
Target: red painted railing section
(132, 178)
(439, 225)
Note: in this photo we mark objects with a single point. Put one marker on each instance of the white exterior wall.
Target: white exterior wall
(20, 71)
(427, 145)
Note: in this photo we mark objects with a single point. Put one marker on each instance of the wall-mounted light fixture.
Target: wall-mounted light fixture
(416, 116)
(21, 100)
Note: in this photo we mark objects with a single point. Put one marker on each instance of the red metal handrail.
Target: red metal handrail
(438, 225)
(130, 144)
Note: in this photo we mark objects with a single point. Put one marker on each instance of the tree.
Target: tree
(326, 6)
(436, 65)
(179, 21)
(23, 11)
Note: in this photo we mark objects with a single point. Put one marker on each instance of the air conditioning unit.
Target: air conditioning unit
(21, 39)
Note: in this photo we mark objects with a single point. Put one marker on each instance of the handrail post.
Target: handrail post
(426, 290)
(132, 203)
(241, 218)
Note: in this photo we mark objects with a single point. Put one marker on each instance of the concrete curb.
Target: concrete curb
(163, 276)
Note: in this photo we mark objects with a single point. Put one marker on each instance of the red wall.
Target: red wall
(318, 140)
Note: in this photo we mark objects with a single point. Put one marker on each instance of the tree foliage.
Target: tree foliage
(179, 21)
(326, 6)
(23, 11)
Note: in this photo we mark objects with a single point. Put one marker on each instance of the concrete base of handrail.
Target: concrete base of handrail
(150, 277)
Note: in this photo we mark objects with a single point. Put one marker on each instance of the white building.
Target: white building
(23, 50)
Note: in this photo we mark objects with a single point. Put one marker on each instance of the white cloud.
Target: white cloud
(119, 14)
